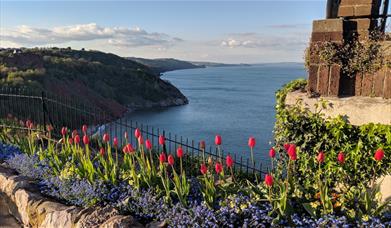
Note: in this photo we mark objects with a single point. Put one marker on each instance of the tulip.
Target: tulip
(49, 128)
(218, 140)
(126, 136)
(148, 144)
(292, 152)
(202, 145)
(128, 148)
(162, 140)
(115, 142)
(76, 139)
(218, 167)
(229, 161)
(137, 133)
(171, 160)
(86, 140)
(179, 152)
(70, 141)
(203, 169)
(379, 154)
(140, 140)
(28, 123)
(320, 157)
(272, 153)
(74, 133)
(162, 158)
(251, 142)
(106, 137)
(286, 146)
(269, 180)
(341, 158)
(102, 151)
(63, 131)
(84, 129)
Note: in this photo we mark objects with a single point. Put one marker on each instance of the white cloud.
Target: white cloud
(116, 36)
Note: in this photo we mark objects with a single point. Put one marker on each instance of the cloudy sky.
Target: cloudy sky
(220, 31)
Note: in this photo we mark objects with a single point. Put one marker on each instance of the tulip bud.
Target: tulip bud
(126, 136)
(292, 152)
(251, 142)
(49, 128)
(76, 139)
(74, 133)
(137, 133)
(272, 152)
(341, 158)
(203, 169)
(179, 152)
(106, 137)
(286, 146)
(210, 160)
(102, 151)
(218, 167)
(202, 145)
(268, 180)
(84, 129)
(86, 140)
(140, 140)
(70, 141)
(218, 140)
(115, 142)
(63, 131)
(28, 123)
(148, 144)
(229, 161)
(320, 157)
(162, 140)
(171, 160)
(162, 158)
(379, 154)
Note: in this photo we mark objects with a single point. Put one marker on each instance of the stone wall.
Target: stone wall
(32, 209)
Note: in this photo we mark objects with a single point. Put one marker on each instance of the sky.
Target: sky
(218, 31)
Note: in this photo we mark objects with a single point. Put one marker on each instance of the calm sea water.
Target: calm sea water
(235, 102)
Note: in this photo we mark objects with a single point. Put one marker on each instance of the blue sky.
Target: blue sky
(222, 31)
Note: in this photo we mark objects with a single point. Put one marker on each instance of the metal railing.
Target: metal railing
(45, 108)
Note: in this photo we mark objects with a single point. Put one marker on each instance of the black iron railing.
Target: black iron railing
(45, 108)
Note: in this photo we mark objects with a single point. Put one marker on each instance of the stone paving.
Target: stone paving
(6, 220)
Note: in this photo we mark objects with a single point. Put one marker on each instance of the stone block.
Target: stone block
(327, 36)
(313, 78)
(334, 80)
(346, 11)
(387, 84)
(367, 85)
(356, 2)
(323, 80)
(358, 84)
(378, 84)
(364, 10)
(364, 24)
(328, 25)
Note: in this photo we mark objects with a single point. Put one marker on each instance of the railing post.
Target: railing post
(43, 110)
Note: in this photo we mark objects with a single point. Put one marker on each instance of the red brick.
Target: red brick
(335, 76)
(323, 80)
(356, 2)
(358, 84)
(344, 11)
(378, 84)
(387, 84)
(313, 78)
(367, 85)
(364, 10)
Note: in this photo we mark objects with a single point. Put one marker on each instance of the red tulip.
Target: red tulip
(162, 158)
(203, 169)
(137, 133)
(379, 154)
(28, 123)
(162, 140)
(251, 142)
(102, 151)
(70, 141)
(148, 144)
(272, 152)
(49, 128)
(76, 139)
(86, 140)
(286, 146)
(341, 158)
(171, 160)
(269, 180)
(179, 152)
(106, 137)
(292, 152)
(63, 131)
(202, 145)
(74, 133)
(140, 140)
(126, 136)
(128, 148)
(218, 140)
(320, 157)
(84, 129)
(218, 167)
(115, 142)
(229, 161)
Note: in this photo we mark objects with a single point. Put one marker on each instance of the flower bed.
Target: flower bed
(152, 185)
